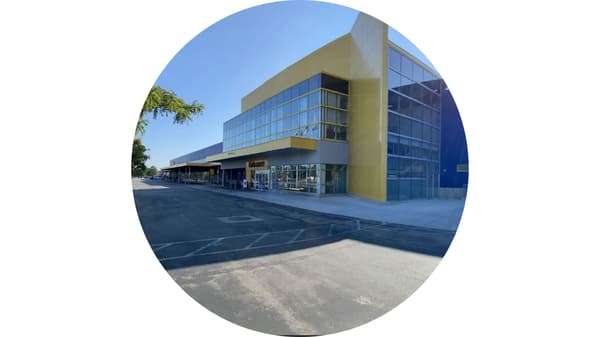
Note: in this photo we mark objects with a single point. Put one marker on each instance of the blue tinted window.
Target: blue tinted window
(314, 82)
(342, 117)
(294, 121)
(394, 80)
(331, 99)
(294, 92)
(405, 85)
(271, 102)
(286, 95)
(295, 105)
(333, 83)
(280, 115)
(393, 101)
(303, 88)
(416, 91)
(394, 59)
(303, 103)
(287, 108)
(313, 115)
(417, 130)
(393, 123)
(314, 98)
(406, 66)
(330, 115)
(404, 126)
(287, 123)
(433, 84)
(417, 73)
(343, 102)
(303, 118)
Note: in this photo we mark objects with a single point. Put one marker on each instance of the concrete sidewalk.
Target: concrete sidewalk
(438, 214)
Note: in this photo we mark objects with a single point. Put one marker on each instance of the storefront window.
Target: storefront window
(305, 178)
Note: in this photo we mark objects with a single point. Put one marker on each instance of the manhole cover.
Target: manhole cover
(238, 218)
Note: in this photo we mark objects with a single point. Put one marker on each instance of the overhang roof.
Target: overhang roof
(192, 164)
(299, 143)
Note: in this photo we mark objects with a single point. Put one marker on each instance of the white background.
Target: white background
(74, 258)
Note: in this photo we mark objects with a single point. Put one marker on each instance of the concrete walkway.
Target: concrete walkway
(438, 214)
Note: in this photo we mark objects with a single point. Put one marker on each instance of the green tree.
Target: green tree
(161, 102)
(138, 158)
(152, 171)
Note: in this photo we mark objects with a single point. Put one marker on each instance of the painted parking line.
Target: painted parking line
(212, 243)
(161, 246)
(243, 249)
(227, 237)
(276, 239)
(269, 237)
(255, 241)
(180, 249)
(297, 236)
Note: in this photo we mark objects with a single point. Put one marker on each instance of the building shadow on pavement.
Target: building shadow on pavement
(185, 228)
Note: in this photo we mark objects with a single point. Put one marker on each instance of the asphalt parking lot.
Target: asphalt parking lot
(279, 269)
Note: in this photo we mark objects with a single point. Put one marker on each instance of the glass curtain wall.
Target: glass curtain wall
(413, 129)
(314, 108)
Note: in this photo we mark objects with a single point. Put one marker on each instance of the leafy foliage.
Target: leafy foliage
(138, 158)
(152, 171)
(161, 102)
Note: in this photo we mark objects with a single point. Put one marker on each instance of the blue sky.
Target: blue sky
(234, 56)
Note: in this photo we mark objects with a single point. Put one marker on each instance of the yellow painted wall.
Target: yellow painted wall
(360, 57)
(333, 59)
(249, 169)
(367, 143)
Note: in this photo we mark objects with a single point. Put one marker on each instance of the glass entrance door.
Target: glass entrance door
(335, 178)
(261, 180)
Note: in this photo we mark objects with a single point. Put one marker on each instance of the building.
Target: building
(359, 115)
(194, 168)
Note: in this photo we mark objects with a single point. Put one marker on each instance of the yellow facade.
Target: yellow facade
(367, 125)
(333, 59)
(260, 163)
(361, 58)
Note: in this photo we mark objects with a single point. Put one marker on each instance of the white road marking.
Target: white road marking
(162, 246)
(240, 249)
(212, 243)
(296, 236)
(215, 241)
(255, 241)
(227, 237)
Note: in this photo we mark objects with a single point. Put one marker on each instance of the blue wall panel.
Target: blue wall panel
(454, 145)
